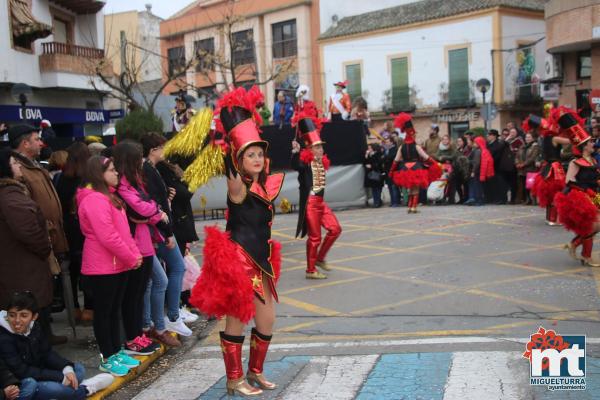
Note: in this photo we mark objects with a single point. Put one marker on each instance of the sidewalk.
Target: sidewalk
(83, 349)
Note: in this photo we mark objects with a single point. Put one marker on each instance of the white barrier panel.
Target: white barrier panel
(344, 189)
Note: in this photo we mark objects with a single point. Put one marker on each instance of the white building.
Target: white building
(52, 46)
(426, 56)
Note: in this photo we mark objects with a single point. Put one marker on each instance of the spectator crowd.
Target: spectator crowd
(513, 156)
(118, 222)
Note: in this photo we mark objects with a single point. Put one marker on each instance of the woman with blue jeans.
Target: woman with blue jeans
(168, 251)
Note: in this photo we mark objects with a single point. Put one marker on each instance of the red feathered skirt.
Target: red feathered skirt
(230, 280)
(576, 211)
(548, 183)
(416, 174)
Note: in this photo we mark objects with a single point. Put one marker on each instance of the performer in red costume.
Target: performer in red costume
(412, 168)
(551, 178)
(241, 266)
(312, 164)
(577, 205)
(304, 104)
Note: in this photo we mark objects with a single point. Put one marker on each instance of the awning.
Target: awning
(24, 24)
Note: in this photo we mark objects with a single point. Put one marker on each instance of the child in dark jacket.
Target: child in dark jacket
(28, 354)
(13, 389)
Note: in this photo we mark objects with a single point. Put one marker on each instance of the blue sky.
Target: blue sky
(162, 8)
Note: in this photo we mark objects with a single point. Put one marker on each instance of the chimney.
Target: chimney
(148, 8)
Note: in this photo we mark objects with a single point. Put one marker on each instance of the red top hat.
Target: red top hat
(534, 121)
(341, 84)
(404, 122)
(238, 120)
(308, 128)
(570, 125)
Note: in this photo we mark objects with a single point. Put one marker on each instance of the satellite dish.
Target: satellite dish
(20, 92)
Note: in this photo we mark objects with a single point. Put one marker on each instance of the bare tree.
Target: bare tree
(229, 65)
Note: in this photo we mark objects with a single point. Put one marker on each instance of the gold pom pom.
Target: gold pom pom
(209, 163)
(188, 142)
(596, 200)
(285, 206)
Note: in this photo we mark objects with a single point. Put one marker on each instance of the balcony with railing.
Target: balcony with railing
(71, 58)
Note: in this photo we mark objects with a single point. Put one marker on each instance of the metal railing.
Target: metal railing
(72, 50)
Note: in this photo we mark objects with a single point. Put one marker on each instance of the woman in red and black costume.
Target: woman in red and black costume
(312, 165)
(242, 265)
(577, 204)
(412, 168)
(551, 178)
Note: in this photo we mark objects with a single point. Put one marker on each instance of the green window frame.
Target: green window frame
(458, 71)
(400, 91)
(354, 88)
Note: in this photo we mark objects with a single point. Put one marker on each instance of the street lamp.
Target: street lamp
(19, 93)
(483, 85)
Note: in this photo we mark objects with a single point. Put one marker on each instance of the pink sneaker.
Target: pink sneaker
(139, 347)
(145, 339)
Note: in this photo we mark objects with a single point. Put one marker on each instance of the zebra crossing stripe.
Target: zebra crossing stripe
(185, 381)
(487, 375)
(330, 377)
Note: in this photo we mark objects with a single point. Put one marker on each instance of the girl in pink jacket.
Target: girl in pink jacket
(145, 219)
(109, 252)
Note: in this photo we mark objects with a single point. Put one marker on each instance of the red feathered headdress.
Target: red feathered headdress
(308, 127)
(570, 125)
(238, 119)
(404, 122)
(534, 121)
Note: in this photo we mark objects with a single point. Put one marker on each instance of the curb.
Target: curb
(121, 381)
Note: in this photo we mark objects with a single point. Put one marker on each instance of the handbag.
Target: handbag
(374, 176)
(191, 274)
(530, 179)
(54, 264)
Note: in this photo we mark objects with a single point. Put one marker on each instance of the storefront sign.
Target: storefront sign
(459, 116)
(595, 100)
(58, 115)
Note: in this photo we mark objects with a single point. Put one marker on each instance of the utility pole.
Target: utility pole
(123, 65)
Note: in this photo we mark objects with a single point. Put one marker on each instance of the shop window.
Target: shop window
(458, 69)
(354, 88)
(284, 39)
(242, 51)
(400, 91)
(584, 65)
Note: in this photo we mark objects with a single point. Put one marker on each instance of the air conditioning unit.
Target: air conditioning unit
(553, 66)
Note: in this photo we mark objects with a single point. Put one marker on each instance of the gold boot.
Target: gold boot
(589, 262)
(240, 386)
(259, 379)
(323, 265)
(315, 275)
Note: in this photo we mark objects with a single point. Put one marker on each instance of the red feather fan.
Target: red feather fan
(576, 211)
(240, 97)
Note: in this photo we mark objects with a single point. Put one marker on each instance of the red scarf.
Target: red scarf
(486, 169)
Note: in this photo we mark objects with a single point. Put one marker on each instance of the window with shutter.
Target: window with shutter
(243, 47)
(205, 52)
(400, 93)
(458, 66)
(176, 57)
(354, 88)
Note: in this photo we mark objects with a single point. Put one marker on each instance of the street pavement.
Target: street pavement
(437, 305)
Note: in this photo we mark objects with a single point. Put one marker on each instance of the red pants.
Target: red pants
(318, 214)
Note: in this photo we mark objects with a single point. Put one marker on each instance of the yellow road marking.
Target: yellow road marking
(309, 307)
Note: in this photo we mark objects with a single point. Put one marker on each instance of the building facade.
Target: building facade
(52, 47)
(271, 42)
(425, 57)
(573, 65)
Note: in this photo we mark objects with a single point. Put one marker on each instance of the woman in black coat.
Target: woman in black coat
(66, 186)
(374, 172)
